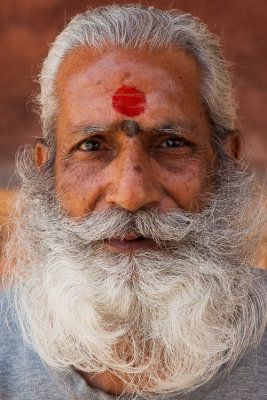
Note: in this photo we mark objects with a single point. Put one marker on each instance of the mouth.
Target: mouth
(130, 243)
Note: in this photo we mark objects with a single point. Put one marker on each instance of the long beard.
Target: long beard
(163, 320)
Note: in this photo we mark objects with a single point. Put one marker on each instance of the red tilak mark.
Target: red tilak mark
(129, 101)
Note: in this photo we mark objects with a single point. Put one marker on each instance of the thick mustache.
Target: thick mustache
(149, 224)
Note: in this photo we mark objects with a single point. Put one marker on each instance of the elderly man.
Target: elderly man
(135, 227)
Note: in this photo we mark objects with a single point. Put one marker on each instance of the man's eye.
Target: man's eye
(89, 145)
(173, 143)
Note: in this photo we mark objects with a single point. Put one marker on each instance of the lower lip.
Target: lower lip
(130, 246)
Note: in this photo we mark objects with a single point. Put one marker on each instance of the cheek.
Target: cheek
(78, 188)
(187, 185)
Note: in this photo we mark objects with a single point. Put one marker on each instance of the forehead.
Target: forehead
(87, 81)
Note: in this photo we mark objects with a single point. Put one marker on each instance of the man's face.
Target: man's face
(131, 132)
(132, 135)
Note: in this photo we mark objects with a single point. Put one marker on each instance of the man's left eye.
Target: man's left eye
(89, 145)
(173, 143)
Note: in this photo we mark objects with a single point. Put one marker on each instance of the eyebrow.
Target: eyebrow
(181, 128)
(173, 128)
(94, 128)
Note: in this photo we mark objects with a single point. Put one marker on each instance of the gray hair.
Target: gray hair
(136, 26)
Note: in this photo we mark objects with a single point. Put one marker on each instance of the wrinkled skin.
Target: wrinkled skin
(96, 171)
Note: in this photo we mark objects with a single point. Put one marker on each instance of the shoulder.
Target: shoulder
(22, 374)
(248, 380)
(8, 327)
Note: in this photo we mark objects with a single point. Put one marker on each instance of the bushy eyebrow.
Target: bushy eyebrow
(94, 128)
(173, 129)
(180, 129)
(176, 129)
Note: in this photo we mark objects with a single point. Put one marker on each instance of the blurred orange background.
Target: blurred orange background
(28, 26)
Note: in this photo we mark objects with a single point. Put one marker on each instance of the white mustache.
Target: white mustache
(98, 226)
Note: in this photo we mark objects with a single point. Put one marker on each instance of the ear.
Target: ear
(233, 144)
(41, 153)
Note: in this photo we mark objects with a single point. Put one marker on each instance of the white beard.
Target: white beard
(162, 321)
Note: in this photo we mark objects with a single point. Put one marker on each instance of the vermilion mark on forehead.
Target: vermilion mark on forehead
(129, 101)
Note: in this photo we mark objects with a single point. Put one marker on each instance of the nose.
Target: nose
(132, 185)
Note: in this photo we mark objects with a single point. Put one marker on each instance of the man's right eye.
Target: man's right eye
(89, 145)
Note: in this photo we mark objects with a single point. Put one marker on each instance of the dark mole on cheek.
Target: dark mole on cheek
(130, 128)
(98, 82)
(137, 169)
